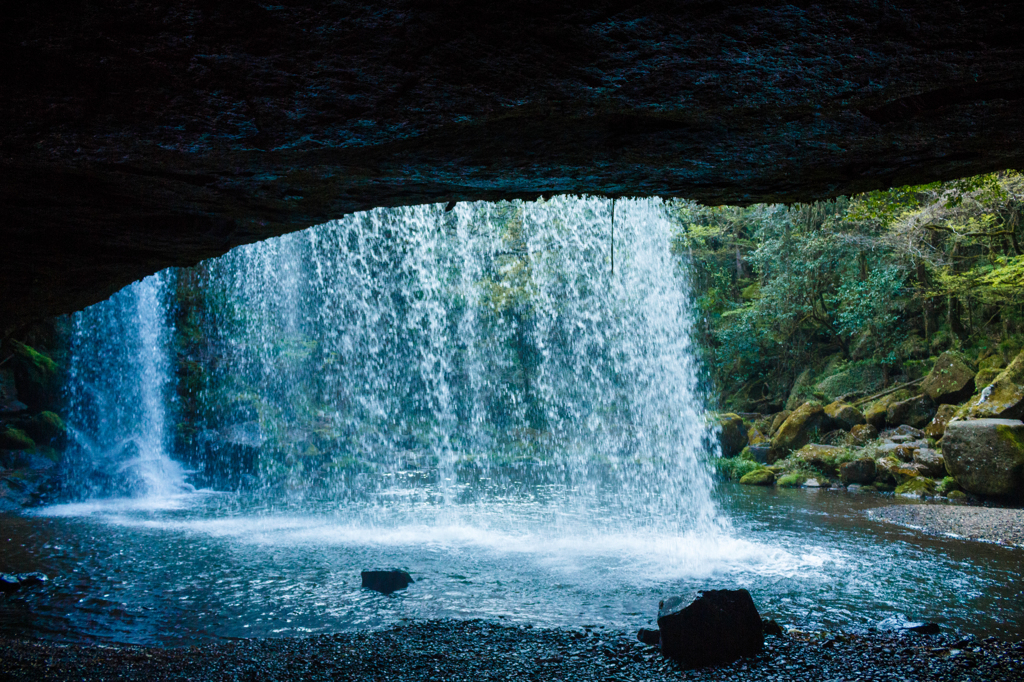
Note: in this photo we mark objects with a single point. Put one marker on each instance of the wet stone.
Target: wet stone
(387, 581)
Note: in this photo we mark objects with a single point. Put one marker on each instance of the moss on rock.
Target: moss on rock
(793, 480)
(986, 456)
(15, 439)
(761, 476)
(950, 381)
(844, 416)
(798, 430)
(917, 486)
(733, 436)
(1004, 397)
(45, 426)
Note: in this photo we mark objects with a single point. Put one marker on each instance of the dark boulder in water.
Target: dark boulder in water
(386, 582)
(716, 626)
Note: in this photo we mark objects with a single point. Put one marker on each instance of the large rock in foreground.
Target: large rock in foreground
(951, 381)
(716, 626)
(986, 455)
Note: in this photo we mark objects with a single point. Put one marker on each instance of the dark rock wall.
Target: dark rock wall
(139, 135)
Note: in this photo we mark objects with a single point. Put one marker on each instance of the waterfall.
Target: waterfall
(117, 397)
(536, 352)
(494, 350)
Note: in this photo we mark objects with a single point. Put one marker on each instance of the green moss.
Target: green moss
(15, 439)
(793, 480)
(956, 495)
(761, 476)
(859, 377)
(38, 360)
(918, 485)
(735, 468)
(947, 485)
(45, 426)
(1010, 436)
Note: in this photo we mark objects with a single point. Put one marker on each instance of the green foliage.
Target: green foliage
(793, 480)
(782, 288)
(38, 361)
(916, 486)
(15, 439)
(734, 468)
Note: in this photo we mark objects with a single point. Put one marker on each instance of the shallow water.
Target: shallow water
(197, 568)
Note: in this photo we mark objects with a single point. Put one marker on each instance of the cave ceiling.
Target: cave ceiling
(140, 135)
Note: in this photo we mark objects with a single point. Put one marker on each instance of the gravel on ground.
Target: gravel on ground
(990, 524)
(475, 650)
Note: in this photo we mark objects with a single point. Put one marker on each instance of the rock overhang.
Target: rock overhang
(142, 135)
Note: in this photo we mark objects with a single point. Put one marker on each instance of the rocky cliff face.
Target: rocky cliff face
(139, 135)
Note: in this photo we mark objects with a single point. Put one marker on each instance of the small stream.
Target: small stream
(204, 567)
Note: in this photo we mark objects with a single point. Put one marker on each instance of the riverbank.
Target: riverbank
(987, 524)
(475, 650)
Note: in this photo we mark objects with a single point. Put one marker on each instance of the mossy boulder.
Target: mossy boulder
(986, 456)
(947, 485)
(755, 436)
(1004, 397)
(778, 420)
(984, 377)
(36, 377)
(821, 457)
(762, 476)
(844, 416)
(916, 412)
(44, 427)
(862, 433)
(904, 472)
(733, 436)
(904, 452)
(937, 426)
(930, 462)
(885, 470)
(956, 495)
(917, 486)
(15, 439)
(799, 429)
(793, 480)
(860, 377)
(950, 381)
(860, 471)
(991, 362)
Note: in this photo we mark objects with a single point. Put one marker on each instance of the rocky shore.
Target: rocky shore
(476, 650)
(988, 524)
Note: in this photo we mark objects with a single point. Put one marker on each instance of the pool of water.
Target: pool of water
(206, 566)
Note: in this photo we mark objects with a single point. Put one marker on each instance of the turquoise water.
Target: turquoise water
(208, 566)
